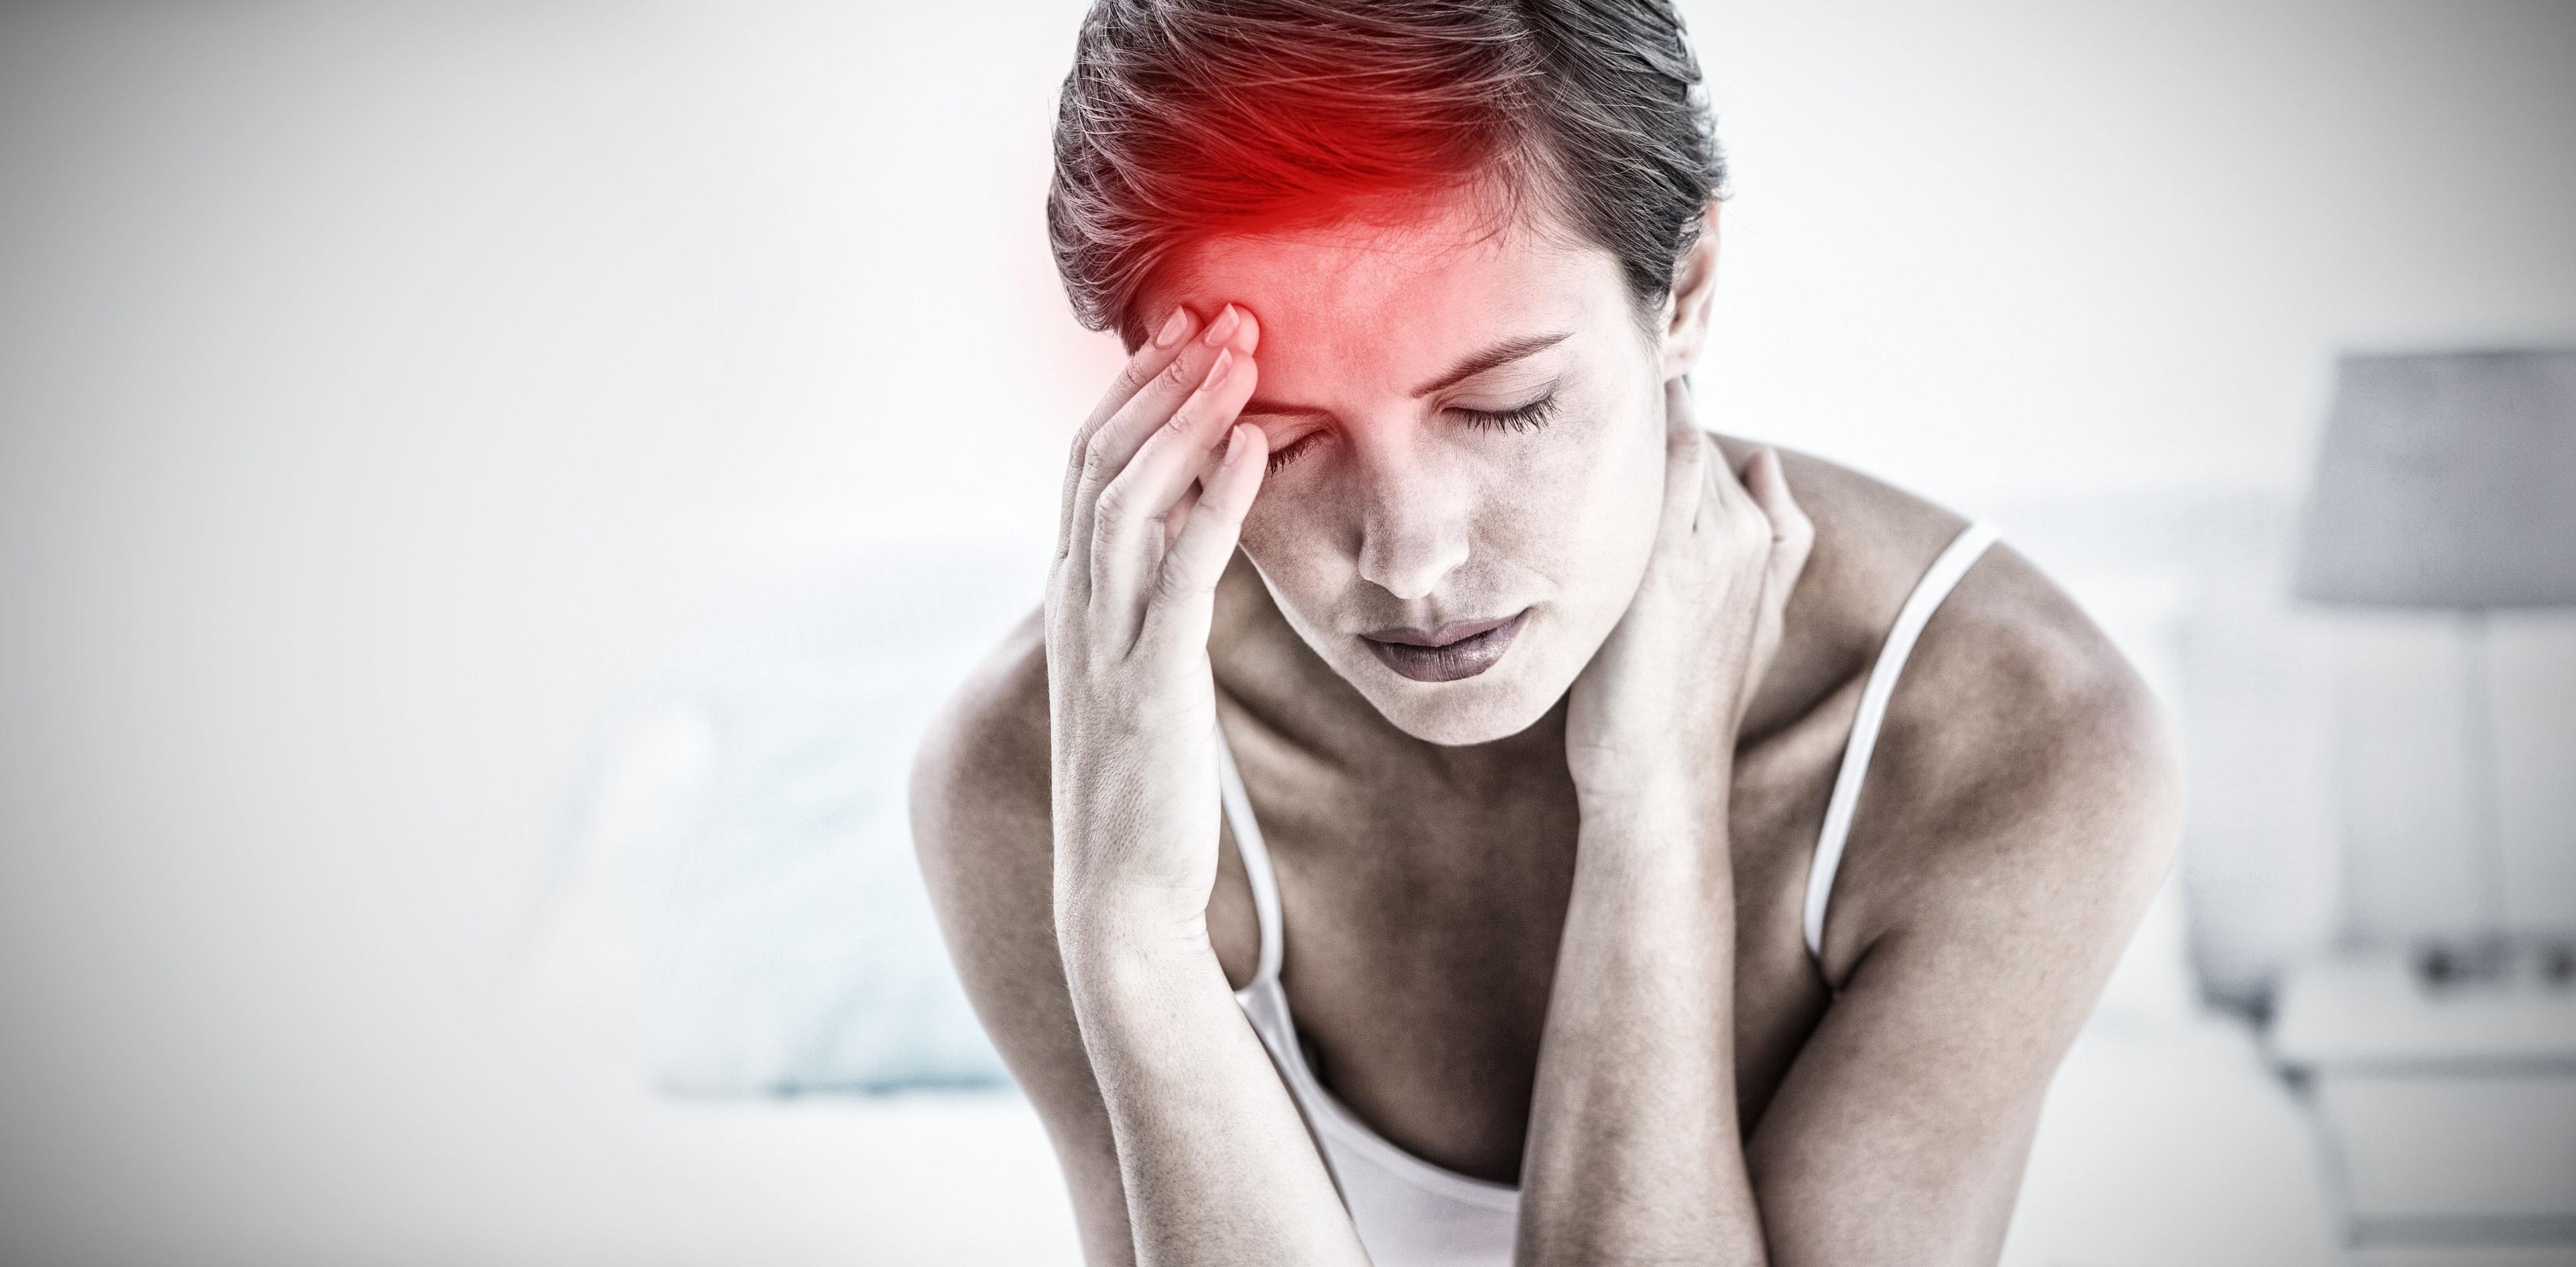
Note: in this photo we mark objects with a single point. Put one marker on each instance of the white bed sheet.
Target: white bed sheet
(2164, 1144)
(2172, 1145)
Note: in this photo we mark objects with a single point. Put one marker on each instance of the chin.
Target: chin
(1501, 702)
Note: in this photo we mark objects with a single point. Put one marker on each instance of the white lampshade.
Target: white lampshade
(2446, 479)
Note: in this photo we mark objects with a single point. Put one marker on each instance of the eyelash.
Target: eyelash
(1290, 454)
(1529, 417)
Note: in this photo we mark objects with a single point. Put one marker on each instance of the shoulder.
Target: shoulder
(2037, 776)
(2020, 809)
(2029, 742)
(2026, 787)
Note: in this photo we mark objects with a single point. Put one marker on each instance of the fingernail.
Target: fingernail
(1222, 328)
(1217, 368)
(1233, 445)
(1173, 327)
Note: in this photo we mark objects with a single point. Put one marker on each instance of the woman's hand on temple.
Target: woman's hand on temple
(1154, 495)
(1214, 1163)
(1659, 706)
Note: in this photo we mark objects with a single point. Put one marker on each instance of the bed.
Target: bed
(2167, 1145)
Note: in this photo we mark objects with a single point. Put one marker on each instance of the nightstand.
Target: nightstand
(2447, 1112)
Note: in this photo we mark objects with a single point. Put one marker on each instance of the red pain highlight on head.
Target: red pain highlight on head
(1187, 119)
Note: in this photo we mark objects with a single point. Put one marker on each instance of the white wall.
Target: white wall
(384, 396)
(2001, 250)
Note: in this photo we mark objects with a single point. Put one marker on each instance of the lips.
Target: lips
(1459, 649)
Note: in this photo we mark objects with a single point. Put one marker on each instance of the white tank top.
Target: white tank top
(1410, 1212)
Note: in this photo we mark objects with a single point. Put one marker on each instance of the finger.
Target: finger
(1185, 586)
(1681, 413)
(1169, 341)
(1178, 515)
(1793, 535)
(1126, 518)
(1108, 447)
(1725, 496)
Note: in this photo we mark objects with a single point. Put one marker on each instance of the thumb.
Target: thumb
(1793, 535)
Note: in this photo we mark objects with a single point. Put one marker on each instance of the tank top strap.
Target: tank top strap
(1256, 861)
(1952, 563)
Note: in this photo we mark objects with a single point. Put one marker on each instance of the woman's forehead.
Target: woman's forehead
(1381, 306)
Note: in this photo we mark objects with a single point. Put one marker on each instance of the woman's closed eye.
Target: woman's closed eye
(1523, 417)
(1297, 447)
(1526, 417)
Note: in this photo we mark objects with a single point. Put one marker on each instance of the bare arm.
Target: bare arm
(979, 820)
(980, 824)
(1216, 1163)
(1211, 1159)
(1901, 1131)
(1635, 1154)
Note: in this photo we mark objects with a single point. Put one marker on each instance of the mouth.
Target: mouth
(1460, 649)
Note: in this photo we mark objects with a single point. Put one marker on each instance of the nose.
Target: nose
(1413, 524)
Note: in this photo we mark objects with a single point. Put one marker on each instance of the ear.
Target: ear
(1694, 288)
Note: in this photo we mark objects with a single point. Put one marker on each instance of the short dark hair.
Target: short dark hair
(1185, 119)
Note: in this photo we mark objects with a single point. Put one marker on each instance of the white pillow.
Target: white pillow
(746, 912)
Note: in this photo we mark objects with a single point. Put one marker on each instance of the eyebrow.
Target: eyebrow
(1503, 353)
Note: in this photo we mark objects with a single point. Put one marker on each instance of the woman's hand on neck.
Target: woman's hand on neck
(1657, 712)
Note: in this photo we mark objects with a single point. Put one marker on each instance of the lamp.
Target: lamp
(2448, 480)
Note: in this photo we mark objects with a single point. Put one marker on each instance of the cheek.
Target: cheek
(1578, 501)
(1606, 509)
(1267, 528)
(1287, 541)
(1630, 502)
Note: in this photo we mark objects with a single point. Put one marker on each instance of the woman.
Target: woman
(1427, 822)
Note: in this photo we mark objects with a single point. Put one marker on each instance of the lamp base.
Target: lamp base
(2494, 958)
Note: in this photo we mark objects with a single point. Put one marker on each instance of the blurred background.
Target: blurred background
(489, 493)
